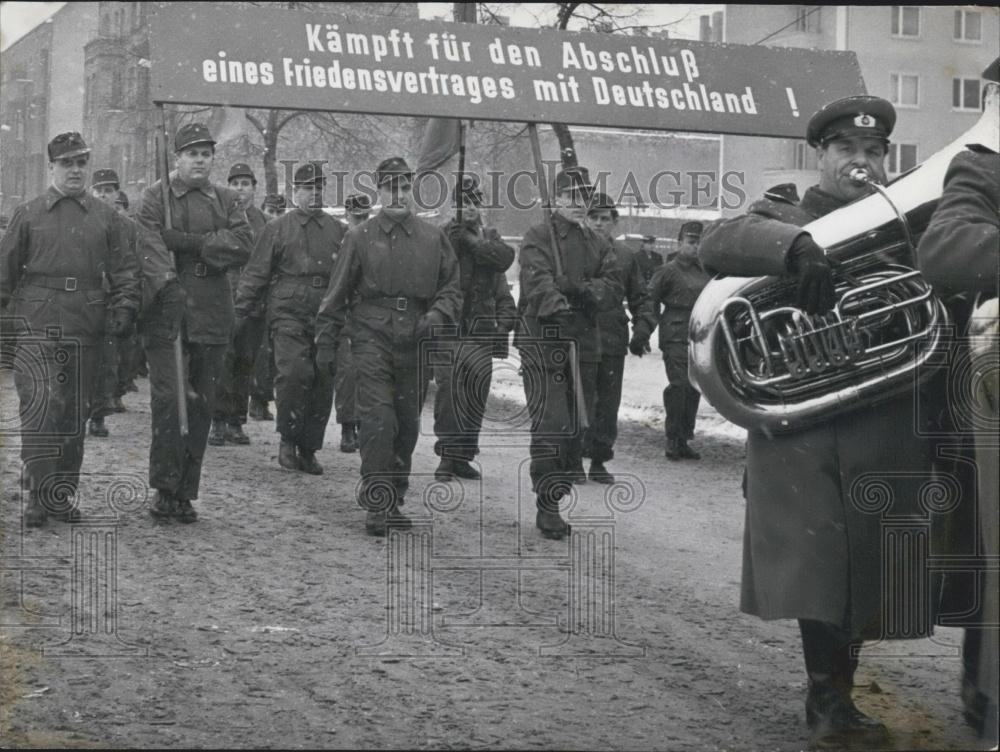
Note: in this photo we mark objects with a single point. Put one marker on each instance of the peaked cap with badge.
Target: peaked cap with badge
(860, 115)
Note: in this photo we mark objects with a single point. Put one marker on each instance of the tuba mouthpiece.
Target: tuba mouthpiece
(860, 176)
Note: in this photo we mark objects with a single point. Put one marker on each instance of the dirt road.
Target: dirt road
(274, 621)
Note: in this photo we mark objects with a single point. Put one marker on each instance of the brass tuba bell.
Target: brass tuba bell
(766, 365)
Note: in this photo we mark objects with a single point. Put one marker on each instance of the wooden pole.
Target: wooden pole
(163, 154)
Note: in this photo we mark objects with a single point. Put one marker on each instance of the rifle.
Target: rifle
(161, 150)
(543, 190)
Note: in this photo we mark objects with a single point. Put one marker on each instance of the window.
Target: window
(965, 94)
(904, 89)
(804, 157)
(902, 157)
(130, 87)
(968, 26)
(143, 95)
(807, 18)
(906, 20)
(116, 90)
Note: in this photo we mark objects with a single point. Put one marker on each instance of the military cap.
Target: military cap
(785, 192)
(275, 201)
(105, 176)
(122, 199)
(67, 145)
(392, 168)
(573, 179)
(191, 134)
(358, 204)
(992, 72)
(241, 170)
(602, 202)
(690, 228)
(470, 191)
(309, 174)
(860, 115)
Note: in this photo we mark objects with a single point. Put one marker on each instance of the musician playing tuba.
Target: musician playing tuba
(813, 547)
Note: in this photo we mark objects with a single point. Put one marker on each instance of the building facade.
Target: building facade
(925, 59)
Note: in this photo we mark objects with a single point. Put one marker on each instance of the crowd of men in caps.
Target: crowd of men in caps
(323, 313)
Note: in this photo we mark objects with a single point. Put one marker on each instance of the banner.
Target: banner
(297, 59)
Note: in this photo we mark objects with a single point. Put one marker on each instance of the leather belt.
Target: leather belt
(202, 270)
(315, 280)
(67, 284)
(401, 303)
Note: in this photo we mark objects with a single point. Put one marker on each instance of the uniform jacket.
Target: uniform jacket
(813, 542)
(482, 257)
(215, 212)
(290, 268)
(385, 258)
(156, 263)
(960, 251)
(649, 262)
(586, 258)
(59, 236)
(676, 286)
(613, 324)
(256, 219)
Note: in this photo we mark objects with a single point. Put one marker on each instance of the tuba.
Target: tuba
(766, 365)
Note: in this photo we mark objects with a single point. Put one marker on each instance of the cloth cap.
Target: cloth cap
(785, 192)
(602, 202)
(573, 179)
(241, 170)
(105, 176)
(358, 204)
(861, 115)
(690, 228)
(309, 174)
(67, 145)
(470, 191)
(191, 134)
(392, 168)
(275, 201)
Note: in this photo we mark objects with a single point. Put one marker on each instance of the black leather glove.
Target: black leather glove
(122, 322)
(568, 287)
(564, 320)
(183, 243)
(809, 263)
(426, 324)
(461, 239)
(639, 345)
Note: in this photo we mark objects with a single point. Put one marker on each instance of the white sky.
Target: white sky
(18, 18)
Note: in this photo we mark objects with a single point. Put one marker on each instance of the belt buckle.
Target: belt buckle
(401, 304)
(200, 270)
(70, 285)
(318, 282)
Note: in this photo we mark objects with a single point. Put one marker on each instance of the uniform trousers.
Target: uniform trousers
(106, 384)
(556, 429)
(175, 464)
(303, 393)
(390, 397)
(345, 389)
(262, 381)
(599, 441)
(237, 373)
(463, 386)
(55, 382)
(680, 399)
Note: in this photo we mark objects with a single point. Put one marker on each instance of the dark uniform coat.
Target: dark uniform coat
(960, 254)
(649, 262)
(820, 501)
(613, 324)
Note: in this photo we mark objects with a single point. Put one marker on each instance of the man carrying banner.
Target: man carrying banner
(290, 269)
(237, 365)
(599, 441)
(54, 259)
(558, 339)
(358, 207)
(398, 277)
(463, 385)
(208, 235)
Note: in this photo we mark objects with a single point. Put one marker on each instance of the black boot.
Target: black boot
(185, 512)
(547, 519)
(287, 457)
(673, 451)
(576, 474)
(463, 469)
(97, 428)
(599, 473)
(217, 436)
(235, 435)
(349, 437)
(118, 405)
(164, 505)
(445, 471)
(686, 452)
(308, 463)
(34, 513)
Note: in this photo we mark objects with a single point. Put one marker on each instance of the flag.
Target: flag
(441, 142)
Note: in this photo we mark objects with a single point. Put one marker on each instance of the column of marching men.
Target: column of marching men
(290, 304)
